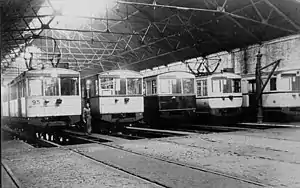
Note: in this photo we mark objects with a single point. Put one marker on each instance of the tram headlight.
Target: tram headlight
(126, 100)
(58, 102)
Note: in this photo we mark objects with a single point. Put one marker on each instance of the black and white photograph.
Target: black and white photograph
(150, 93)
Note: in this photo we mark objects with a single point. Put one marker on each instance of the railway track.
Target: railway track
(92, 139)
(14, 180)
(176, 163)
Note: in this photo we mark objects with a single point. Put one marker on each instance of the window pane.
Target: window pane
(296, 83)
(154, 87)
(96, 87)
(134, 86)
(24, 88)
(107, 83)
(273, 86)
(35, 87)
(149, 88)
(69, 86)
(199, 87)
(286, 83)
(236, 85)
(251, 86)
(188, 85)
(226, 84)
(216, 86)
(165, 86)
(120, 85)
(51, 86)
(83, 90)
(176, 86)
(204, 84)
(20, 90)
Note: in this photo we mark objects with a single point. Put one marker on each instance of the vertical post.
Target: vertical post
(1, 14)
(258, 88)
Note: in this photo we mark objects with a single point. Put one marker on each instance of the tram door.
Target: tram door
(252, 94)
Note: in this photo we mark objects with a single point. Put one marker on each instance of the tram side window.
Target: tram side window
(134, 86)
(296, 83)
(83, 93)
(148, 87)
(154, 87)
(176, 87)
(4, 96)
(14, 91)
(51, 86)
(165, 86)
(286, 83)
(93, 89)
(24, 88)
(201, 87)
(226, 84)
(216, 86)
(273, 85)
(35, 87)
(20, 90)
(236, 85)
(252, 86)
(188, 85)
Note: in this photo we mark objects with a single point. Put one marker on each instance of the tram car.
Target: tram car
(115, 97)
(169, 97)
(280, 98)
(219, 96)
(46, 98)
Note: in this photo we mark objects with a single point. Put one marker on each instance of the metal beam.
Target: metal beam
(283, 15)
(159, 55)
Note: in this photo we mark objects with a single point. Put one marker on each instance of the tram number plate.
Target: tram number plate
(36, 102)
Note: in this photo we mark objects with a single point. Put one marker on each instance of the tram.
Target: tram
(280, 98)
(45, 98)
(115, 98)
(169, 98)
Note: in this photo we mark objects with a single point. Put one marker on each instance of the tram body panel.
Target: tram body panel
(51, 106)
(111, 105)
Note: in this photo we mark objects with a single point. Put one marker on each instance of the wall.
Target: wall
(244, 60)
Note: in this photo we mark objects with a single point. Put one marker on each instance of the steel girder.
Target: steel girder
(107, 48)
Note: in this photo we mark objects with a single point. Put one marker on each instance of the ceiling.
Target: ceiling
(98, 35)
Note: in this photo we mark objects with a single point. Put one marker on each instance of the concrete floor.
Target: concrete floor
(270, 157)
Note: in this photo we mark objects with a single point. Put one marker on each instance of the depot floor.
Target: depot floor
(270, 157)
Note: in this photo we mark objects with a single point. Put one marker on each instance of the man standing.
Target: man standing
(87, 118)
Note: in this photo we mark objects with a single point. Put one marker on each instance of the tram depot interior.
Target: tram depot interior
(149, 64)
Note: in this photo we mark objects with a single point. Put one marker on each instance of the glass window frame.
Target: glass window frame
(273, 84)
(58, 81)
(239, 85)
(76, 85)
(192, 81)
(29, 88)
(141, 85)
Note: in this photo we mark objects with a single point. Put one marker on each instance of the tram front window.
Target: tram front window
(113, 86)
(69, 86)
(134, 86)
(188, 85)
(51, 86)
(35, 87)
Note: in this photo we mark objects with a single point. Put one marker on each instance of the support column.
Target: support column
(1, 14)
(259, 89)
